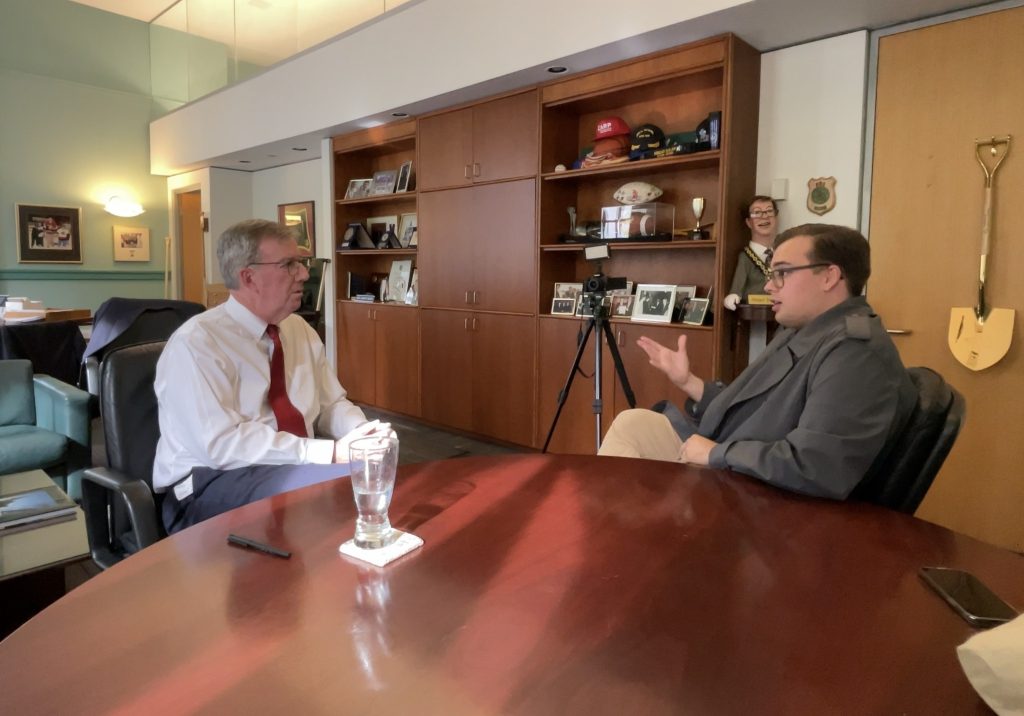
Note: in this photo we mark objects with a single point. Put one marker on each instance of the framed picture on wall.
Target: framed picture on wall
(49, 234)
(131, 243)
(299, 218)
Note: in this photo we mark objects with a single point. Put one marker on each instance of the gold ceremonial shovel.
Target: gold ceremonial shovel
(979, 337)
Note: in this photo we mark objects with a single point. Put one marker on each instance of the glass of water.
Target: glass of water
(373, 461)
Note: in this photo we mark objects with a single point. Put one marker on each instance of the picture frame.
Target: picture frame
(398, 280)
(300, 218)
(404, 176)
(569, 290)
(131, 243)
(654, 303)
(355, 237)
(407, 229)
(628, 290)
(563, 306)
(359, 188)
(622, 305)
(412, 296)
(584, 310)
(377, 227)
(696, 311)
(683, 294)
(49, 234)
(384, 182)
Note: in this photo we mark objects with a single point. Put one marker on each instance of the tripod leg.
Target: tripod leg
(627, 389)
(568, 383)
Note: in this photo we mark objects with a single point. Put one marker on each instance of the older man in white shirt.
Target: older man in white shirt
(244, 387)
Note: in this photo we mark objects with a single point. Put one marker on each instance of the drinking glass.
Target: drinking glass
(373, 461)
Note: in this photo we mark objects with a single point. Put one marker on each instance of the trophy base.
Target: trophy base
(697, 234)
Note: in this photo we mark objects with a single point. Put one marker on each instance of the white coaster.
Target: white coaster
(405, 543)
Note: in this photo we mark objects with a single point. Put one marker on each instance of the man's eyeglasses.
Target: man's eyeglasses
(292, 265)
(778, 276)
(762, 213)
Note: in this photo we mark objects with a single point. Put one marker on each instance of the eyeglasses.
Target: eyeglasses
(762, 213)
(778, 276)
(292, 265)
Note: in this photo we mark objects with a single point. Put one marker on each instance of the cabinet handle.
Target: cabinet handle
(465, 171)
(465, 324)
(474, 323)
(369, 314)
(619, 338)
(476, 169)
(476, 297)
(467, 298)
(375, 315)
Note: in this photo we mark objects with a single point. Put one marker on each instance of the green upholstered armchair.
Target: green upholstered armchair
(44, 423)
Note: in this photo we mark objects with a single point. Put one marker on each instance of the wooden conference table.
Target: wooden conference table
(547, 585)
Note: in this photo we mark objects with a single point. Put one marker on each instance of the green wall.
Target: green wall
(76, 99)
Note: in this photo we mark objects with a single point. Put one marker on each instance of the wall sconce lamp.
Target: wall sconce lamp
(119, 206)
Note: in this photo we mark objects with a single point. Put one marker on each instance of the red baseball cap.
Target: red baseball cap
(610, 127)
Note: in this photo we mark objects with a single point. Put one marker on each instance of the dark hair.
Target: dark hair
(840, 245)
(745, 211)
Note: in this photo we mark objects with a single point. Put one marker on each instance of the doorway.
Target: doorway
(192, 251)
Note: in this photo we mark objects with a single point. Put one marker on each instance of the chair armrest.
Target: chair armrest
(99, 485)
(62, 408)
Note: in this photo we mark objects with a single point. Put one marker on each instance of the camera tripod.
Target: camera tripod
(598, 325)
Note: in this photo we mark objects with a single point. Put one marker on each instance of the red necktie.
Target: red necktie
(289, 419)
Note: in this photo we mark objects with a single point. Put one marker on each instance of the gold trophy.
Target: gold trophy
(697, 233)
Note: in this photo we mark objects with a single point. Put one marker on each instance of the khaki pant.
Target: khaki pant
(642, 433)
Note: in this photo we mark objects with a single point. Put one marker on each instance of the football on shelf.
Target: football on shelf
(636, 192)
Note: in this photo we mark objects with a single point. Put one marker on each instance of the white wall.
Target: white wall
(289, 184)
(812, 125)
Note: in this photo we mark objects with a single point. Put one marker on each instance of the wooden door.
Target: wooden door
(505, 137)
(649, 384)
(397, 347)
(557, 344)
(445, 150)
(357, 361)
(445, 254)
(501, 221)
(446, 368)
(193, 258)
(503, 376)
(939, 88)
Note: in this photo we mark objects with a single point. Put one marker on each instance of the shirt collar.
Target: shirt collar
(248, 320)
(759, 249)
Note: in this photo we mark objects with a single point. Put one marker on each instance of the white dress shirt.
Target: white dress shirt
(211, 385)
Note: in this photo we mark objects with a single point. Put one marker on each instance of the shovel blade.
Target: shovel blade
(980, 345)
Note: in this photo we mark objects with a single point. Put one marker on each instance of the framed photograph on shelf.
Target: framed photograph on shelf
(683, 295)
(622, 306)
(563, 306)
(568, 290)
(131, 243)
(359, 188)
(628, 290)
(696, 311)
(407, 230)
(584, 306)
(404, 178)
(378, 226)
(299, 218)
(654, 302)
(398, 280)
(384, 182)
(49, 234)
(355, 237)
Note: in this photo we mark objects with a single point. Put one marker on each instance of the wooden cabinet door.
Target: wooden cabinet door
(576, 429)
(501, 219)
(445, 150)
(397, 359)
(356, 361)
(446, 368)
(649, 384)
(505, 138)
(503, 376)
(445, 254)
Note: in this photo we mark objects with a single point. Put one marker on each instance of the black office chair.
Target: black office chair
(902, 479)
(122, 513)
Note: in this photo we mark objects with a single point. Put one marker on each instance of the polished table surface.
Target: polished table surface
(547, 585)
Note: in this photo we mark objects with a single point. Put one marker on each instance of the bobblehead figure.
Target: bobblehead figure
(754, 262)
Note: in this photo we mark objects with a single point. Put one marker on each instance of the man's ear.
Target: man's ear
(245, 277)
(833, 275)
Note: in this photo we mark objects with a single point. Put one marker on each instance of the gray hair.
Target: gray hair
(239, 246)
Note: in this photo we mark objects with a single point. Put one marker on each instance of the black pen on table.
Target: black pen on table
(258, 546)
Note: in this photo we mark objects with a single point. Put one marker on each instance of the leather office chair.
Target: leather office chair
(311, 308)
(44, 423)
(902, 479)
(122, 513)
(126, 321)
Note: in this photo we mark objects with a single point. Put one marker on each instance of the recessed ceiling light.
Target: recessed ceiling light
(299, 149)
(557, 69)
(244, 161)
(399, 114)
(272, 156)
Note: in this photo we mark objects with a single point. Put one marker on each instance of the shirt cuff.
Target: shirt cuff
(716, 458)
(319, 452)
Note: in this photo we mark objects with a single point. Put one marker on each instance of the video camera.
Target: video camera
(595, 301)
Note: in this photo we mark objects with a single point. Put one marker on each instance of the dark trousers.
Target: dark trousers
(217, 491)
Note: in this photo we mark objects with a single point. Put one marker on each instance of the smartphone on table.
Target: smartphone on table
(968, 596)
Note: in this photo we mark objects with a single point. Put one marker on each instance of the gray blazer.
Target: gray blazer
(816, 409)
